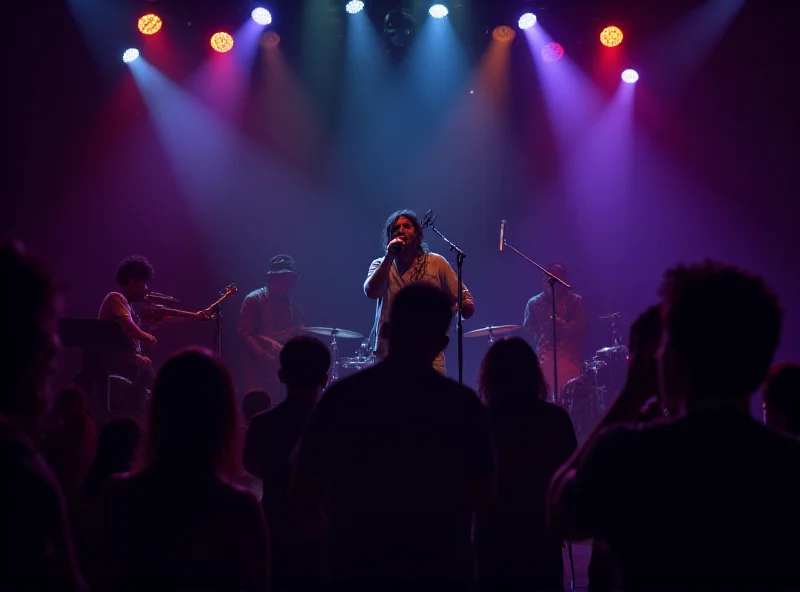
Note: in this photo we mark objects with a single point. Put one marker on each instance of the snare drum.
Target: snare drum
(611, 364)
(357, 362)
(349, 366)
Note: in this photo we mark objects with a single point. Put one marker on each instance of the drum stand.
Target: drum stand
(335, 362)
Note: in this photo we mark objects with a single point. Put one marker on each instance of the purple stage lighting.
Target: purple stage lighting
(527, 20)
(630, 76)
(262, 16)
(552, 52)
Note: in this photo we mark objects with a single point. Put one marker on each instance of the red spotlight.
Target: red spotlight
(270, 40)
(552, 52)
(221, 42)
(611, 36)
(150, 24)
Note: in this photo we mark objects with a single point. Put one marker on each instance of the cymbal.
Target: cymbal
(610, 316)
(492, 330)
(332, 332)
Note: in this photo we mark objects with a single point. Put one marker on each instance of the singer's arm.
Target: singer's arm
(449, 280)
(377, 282)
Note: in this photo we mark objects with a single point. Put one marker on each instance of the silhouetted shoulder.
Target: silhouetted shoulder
(536, 299)
(260, 293)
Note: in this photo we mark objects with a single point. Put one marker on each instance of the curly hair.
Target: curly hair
(723, 325)
(411, 215)
(136, 268)
(511, 377)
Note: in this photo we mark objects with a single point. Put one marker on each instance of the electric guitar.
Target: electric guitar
(157, 312)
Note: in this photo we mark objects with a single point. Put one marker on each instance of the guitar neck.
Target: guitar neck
(281, 336)
(171, 312)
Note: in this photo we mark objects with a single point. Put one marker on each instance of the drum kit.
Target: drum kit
(586, 397)
(364, 359)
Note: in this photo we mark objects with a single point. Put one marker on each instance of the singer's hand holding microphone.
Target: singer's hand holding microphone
(395, 245)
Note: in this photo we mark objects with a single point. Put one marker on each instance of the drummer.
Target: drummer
(407, 261)
(571, 328)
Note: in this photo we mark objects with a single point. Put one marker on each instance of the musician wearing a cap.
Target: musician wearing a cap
(270, 316)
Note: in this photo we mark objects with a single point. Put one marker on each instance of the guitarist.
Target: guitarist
(570, 329)
(270, 316)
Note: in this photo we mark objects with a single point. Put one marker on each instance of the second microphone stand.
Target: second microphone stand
(460, 255)
(552, 280)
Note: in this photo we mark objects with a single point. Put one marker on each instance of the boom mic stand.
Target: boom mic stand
(460, 255)
(552, 280)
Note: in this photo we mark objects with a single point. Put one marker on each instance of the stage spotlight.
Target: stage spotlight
(354, 6)
(630, 76)
(399, 27)
(221, 42)
(130, 55)
(149, 24)
(611, 36)
(503, 34)
(270, 40)
(527, 20)
(262, 16)
(438, 11)
(552, 52)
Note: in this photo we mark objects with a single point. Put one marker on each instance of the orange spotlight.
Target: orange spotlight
(611, 36)
(150, 24)
(221, 42)
(503, 34)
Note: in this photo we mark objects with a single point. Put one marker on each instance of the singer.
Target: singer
(407, 261)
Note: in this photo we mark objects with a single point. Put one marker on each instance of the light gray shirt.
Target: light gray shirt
(437, 272)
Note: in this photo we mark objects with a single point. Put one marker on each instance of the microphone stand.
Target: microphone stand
(460, 255)
(218, 329)
(552, 280)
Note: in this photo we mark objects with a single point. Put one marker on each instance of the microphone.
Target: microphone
(502, 234)
(396, 248)
(159, 296)
(427, 219)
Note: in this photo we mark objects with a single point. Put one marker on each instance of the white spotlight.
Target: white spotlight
(262, 16)
(130, 55)
(527, 20)
(630, 76)
(438, 11)
(354, 6)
